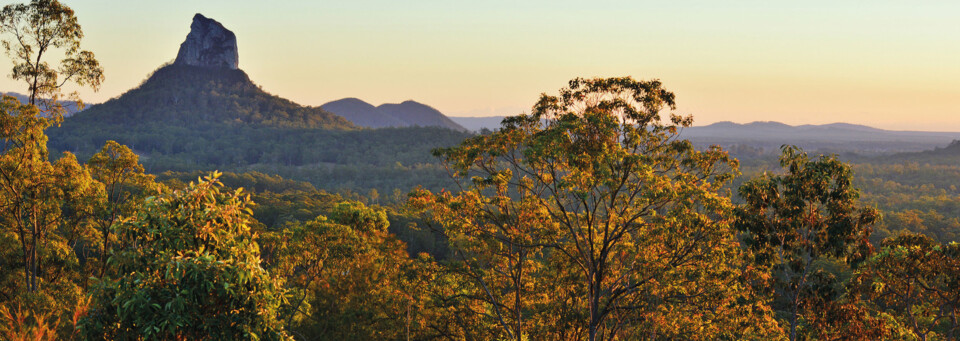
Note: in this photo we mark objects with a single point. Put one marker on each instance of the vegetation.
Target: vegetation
(200, 119)
(793, 222)
(187, 267)
(593, 195)
(588, 219)
(39, 29)
(185, 94)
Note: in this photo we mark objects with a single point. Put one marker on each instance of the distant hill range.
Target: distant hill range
(70, 106)
(406, 114)
(769, 136)
(835, 137)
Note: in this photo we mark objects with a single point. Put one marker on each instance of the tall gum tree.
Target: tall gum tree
(595, 190)
(33, 33)
(38, 198)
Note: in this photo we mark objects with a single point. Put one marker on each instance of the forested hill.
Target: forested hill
(192, 118)
(186, 94)
(203, 113)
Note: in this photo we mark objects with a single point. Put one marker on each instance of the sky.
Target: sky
(887, 64)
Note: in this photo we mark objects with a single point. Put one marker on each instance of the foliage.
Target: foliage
(795, 220)
(914, 197)
(593, 190)
(118, 169)
(917, 281)
(39, 29)
(334, 160)
(42, 207)
(16, 325)
(349, 278)
(187, 267)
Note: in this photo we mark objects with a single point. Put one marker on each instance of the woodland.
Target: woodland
(589, 218)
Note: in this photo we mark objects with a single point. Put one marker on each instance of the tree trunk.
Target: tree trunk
(594, 306)
(31, 266)
(517, 304)
(34, 263)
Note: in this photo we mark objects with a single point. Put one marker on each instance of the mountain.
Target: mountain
(205, 85)
(835, 137)
(70, 106)
(362, 113)
(406, 114)
(202, 112)
(769, 136)
(418, 114)
(188, 94)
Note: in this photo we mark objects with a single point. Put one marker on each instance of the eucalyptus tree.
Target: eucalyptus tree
(591, 215)
(37, 31)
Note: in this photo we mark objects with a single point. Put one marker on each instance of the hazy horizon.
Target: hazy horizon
(886, 65)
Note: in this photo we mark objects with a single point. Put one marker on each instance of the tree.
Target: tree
(37, 197)
(39, 29)
(496, 250)
(188, 268)
(126, 185)
(595, 189)
(348, 278)
(794, 221)
(917, 281)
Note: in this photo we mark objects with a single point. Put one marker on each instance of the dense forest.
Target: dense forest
(590, 218)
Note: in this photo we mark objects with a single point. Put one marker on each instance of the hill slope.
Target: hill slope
(187, 118)
(186, 94)
(203, 113)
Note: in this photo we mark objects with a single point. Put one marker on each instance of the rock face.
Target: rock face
(208, 44)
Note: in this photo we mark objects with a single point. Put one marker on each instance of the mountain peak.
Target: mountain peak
(209, 44)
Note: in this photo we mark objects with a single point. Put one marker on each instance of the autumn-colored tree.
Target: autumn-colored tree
(794, 220)
(125, 184)
(832, 313)
(40, 29)
(495, 256)
(187, 268)
(43, 218)
(595, 190)
(37, 197)
(917, 281)
(43, 205)
(348, 278)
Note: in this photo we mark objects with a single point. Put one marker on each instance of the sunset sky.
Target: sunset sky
(888, 64)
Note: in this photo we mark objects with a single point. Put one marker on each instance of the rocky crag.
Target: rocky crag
(208, 44)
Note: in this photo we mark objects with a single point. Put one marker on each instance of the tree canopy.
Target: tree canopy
(595, 196)
(39, 29)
